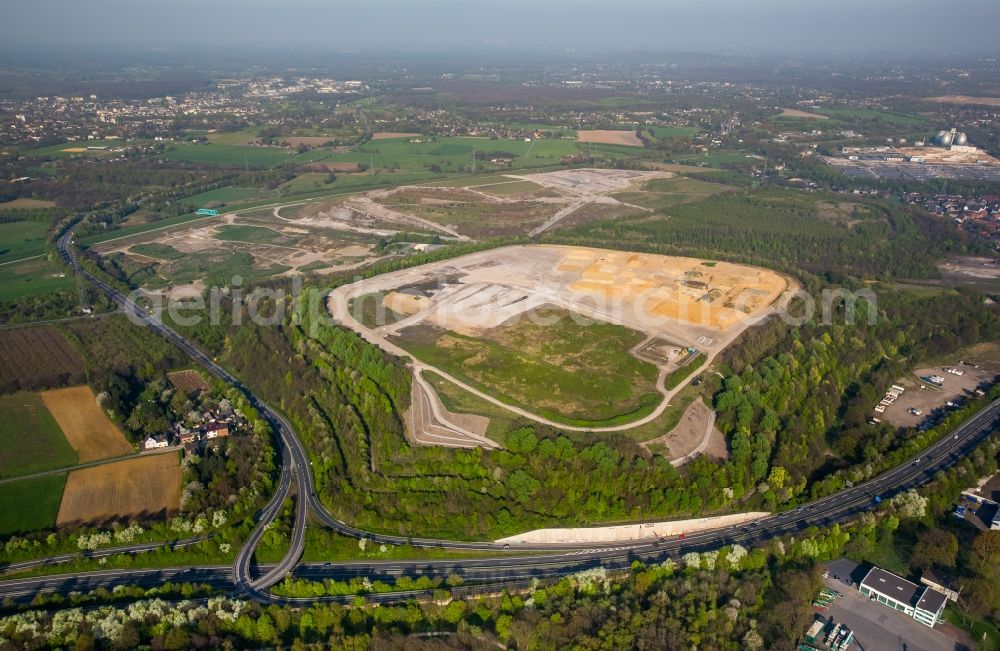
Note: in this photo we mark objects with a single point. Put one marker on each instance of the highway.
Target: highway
(512, 569)
(559, 559)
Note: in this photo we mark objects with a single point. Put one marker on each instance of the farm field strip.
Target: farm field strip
(87, 428)
(37, 357)
(142, 487)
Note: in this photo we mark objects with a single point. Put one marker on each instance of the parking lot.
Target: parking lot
(880, 628)
(925, 397)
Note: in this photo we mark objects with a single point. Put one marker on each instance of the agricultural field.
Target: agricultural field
(22, 239)
(454, 154)
(30, 504)
(609, 137)
(26, 203)
(85, 425)
(143, 488)
(509, 324)
(663, 133)
(37, 357)
(392, 135)
(238, 155)
(189, 381)
(797, 113)
(223, 196)
(32, 277)
(68, 149)
(30, 437)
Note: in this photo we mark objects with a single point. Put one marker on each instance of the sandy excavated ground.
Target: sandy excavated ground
(560, 195)
(200, 238)
(609, 137)
(630, 532)
(681, 299)
(593, 183)
(682, 289)
(971, 267)
(694, 434)
(482, 290)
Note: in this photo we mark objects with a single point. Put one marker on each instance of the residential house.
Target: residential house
(156, 442)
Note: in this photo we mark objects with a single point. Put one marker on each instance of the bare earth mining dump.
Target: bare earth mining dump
(508, 204)
(577, 338)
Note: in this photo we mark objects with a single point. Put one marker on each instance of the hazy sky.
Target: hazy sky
(752, 26)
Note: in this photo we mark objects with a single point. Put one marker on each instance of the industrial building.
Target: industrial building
(922, 603)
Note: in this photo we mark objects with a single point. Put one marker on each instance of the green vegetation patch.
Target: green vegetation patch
(567, 371)
(32, 278)
(30, 437)
(30, 504)
(218, 268)
(816, 232)
(22, 239)
(156, 250)
(223, 196)
(660, 194)
(671, 132)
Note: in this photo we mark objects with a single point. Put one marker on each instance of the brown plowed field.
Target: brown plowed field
(187, 381)
(609, 137)
(37, 358)
(143, 488)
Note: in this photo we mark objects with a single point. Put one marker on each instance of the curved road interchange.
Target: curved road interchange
(561, 559)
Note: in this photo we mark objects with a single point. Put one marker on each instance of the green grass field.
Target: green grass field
(156, 250)
(60, 149)
(217, 268)
(32, 278)
(672, 132)
(238, 155)
(711, 160)
(849, 114)
(30, 504)
(451, 154)
(306, 182)
(660, 194)
(253, 235)
(223, 196)
(20, 240)
(30, 437)
(569, 372)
